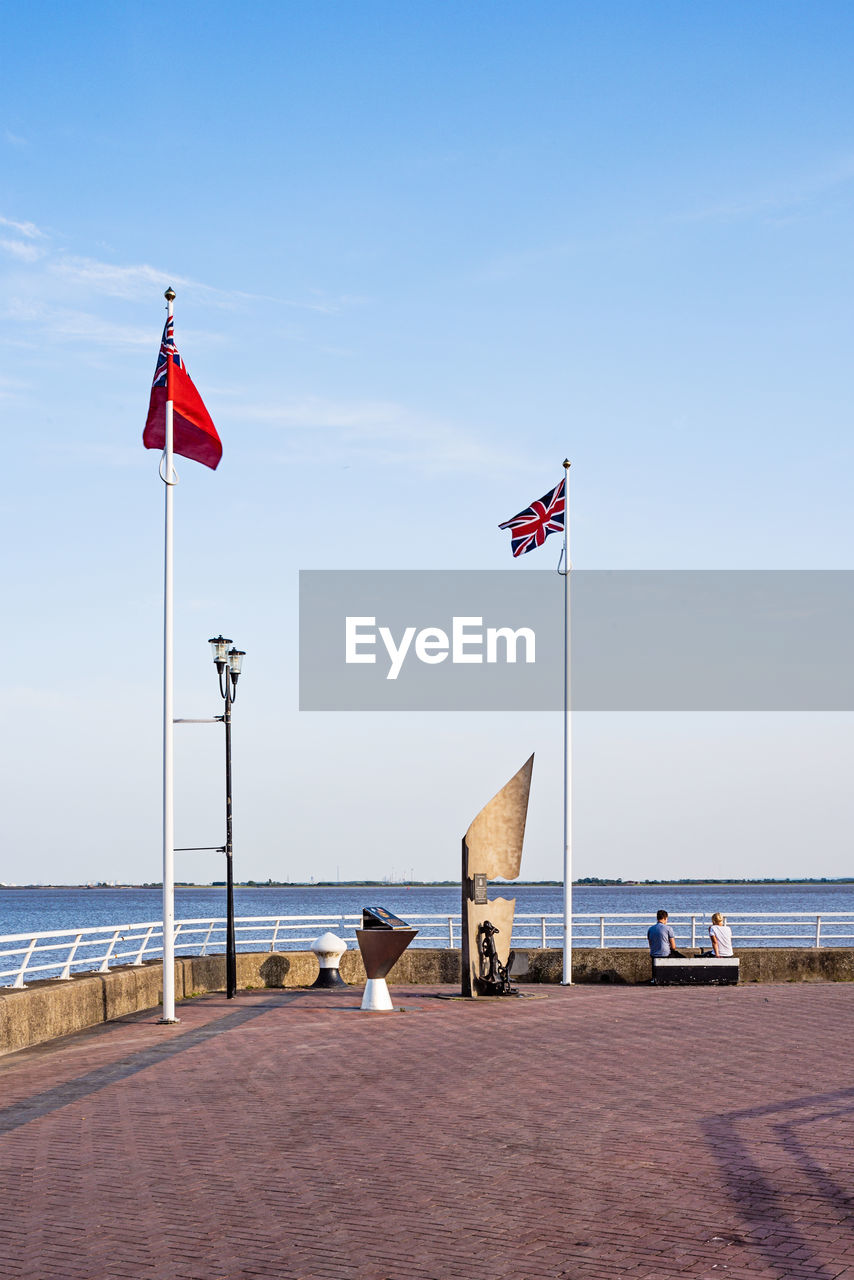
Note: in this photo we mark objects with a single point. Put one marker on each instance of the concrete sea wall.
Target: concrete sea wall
(46, 1010)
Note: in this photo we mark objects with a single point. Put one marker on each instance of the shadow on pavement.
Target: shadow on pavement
(762, 1193)
(42, 1104)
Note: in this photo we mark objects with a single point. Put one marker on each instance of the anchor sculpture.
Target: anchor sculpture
(492, 847)
(494, 976)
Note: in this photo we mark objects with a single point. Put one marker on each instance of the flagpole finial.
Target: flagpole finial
(567, 464)
(169, 295)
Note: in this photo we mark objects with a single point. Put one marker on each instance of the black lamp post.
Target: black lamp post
(228, 663)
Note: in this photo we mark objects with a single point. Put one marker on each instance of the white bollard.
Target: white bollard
(329, 949)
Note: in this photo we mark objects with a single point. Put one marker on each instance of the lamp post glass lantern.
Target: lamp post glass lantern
(228, 662)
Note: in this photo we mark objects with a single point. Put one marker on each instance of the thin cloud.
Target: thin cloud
(439, 453)
(75, 325)
(789, 196)
(23, 250)
(778, 204)
(136, 282)
(67, 325)
(315, 412)
(12, 388)
(116, 281)
(378, 432)
(14, 139)
(28, 229)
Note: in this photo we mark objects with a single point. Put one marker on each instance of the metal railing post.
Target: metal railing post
(141, 951)
(105, 963)
(602, 932)
(275, 934)
(65, 976)
(543, 931)
(19, 980)
(693, 931)
(451, 932)
(818, 931)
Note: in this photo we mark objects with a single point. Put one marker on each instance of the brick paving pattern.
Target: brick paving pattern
(594, 1134)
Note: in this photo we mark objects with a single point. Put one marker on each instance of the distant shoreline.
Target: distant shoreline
(585, 883)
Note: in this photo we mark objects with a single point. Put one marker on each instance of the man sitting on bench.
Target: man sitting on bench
(662, 939)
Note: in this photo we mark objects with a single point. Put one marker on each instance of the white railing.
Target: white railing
(58, 953)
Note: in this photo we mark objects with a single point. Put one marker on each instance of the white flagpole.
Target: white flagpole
(567, 747)
(168, 477)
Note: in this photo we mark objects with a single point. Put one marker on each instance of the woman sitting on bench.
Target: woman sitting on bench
(721, 936)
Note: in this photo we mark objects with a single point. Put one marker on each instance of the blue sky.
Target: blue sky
(422, 252)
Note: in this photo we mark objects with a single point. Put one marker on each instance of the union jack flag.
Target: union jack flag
(531, 527)
(167, 348)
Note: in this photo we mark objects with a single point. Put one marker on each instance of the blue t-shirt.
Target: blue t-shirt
(660, 936)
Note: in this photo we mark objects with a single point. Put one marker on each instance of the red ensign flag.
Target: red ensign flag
(193, 433)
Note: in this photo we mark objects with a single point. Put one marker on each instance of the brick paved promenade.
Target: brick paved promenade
(597, 1133)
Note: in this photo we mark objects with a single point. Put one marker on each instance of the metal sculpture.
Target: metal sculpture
(492, 847)
(494, 976)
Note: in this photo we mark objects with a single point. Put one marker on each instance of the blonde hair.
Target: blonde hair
(717, 918)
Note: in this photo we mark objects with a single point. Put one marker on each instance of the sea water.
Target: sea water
(39, 910)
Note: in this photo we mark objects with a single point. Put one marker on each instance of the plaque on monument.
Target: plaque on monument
(480, 886)
(379, 918)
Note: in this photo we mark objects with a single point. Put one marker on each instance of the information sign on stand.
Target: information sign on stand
(382, 940)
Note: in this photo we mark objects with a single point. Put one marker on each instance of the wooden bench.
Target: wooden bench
(709, 970)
